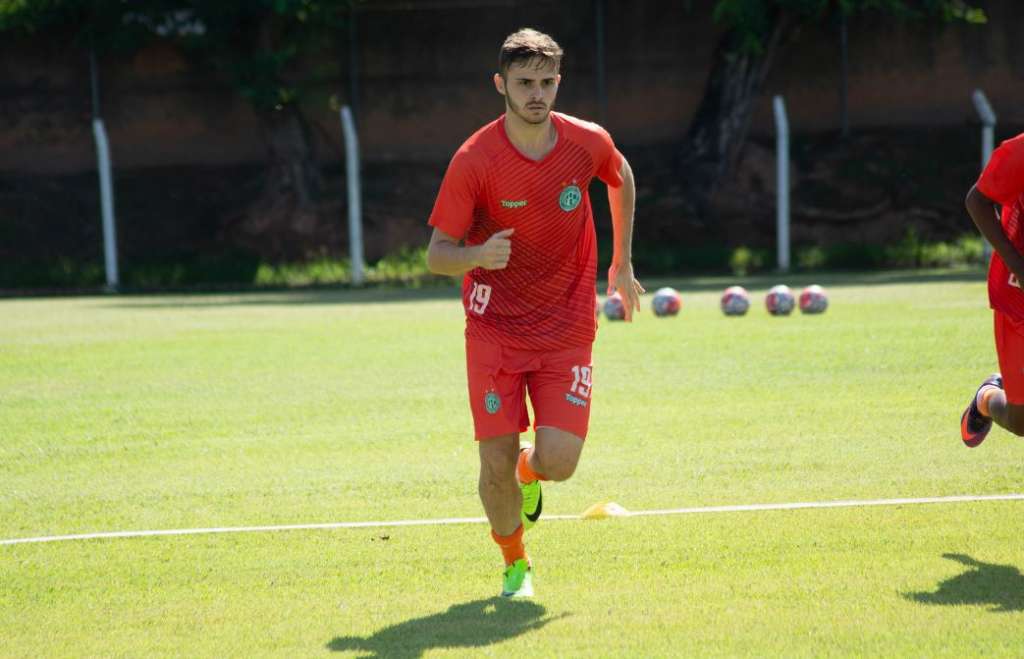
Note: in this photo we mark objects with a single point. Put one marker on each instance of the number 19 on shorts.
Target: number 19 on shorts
(479, 297)
(581, 381)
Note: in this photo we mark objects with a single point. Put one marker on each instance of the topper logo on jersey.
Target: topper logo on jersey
(570, 198)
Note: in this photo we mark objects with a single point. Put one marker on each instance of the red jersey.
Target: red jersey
(1003, 182)
(544, 298)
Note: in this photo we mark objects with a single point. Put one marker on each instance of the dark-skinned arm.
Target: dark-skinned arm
(984, 212)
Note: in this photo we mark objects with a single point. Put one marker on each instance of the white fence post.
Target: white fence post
(355, 211)
(782, 182)
(107, 204)
(988, 125)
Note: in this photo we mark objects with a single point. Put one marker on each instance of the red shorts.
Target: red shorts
(559, 383)
(1010, 350)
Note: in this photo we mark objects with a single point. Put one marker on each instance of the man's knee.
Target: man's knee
(497, 464)
(559, 471)
(557, 453)
(557, 467)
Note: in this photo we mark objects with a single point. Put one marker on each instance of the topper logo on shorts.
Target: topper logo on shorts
(517, 203)
(579, 402)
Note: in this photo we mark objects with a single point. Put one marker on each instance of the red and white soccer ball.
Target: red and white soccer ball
(779, 301)
(813, 299)
(666, 302)
(735, 301)
(614, 309)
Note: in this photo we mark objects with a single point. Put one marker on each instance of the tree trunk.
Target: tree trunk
(282, 220)
(283, 217)
(719, 129)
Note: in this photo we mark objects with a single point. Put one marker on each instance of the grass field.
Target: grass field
(165, 412)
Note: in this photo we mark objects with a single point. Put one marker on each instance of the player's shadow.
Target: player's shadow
(1001, 587)
(471, 625)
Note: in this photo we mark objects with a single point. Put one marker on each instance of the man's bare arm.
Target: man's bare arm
(983, 211)
(445, 256)
(620, 274)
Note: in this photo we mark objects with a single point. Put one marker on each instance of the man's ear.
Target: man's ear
(499, 83)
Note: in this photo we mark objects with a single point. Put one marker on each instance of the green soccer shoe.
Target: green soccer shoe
(517, 581)
(533, 499)
(533, 503)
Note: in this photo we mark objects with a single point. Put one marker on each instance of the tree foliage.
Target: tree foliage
(754, 32)
(752, 21)
(255, 46)
(253, 43)
(95, 24)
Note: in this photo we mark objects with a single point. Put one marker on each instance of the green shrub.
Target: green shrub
(811, 258)
(407, 266)
(745, 261)
(909, 252)
(906, 253)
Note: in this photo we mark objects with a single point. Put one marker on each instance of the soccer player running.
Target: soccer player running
(1000, 397)
(513, 214)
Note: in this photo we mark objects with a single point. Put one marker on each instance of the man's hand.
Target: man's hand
(495, 253)
(621, 280)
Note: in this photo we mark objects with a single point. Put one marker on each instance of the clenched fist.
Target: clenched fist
(495, 253)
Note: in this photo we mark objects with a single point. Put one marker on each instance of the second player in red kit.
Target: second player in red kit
(1000, 397)
(513, 215)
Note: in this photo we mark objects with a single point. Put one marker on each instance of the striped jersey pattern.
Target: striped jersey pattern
(545, 298)
(1002, 181)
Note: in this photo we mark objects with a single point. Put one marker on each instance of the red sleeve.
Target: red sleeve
(1003, 178)
(609, 161)
(453, 208)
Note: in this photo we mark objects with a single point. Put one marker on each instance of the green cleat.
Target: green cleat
(533, 501)
(518, 580)
(532, 504)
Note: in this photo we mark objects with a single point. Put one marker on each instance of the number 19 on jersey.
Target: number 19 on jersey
(479, 297)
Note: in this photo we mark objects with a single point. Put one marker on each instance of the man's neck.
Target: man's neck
(533, 140)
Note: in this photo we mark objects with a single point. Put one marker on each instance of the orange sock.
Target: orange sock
(986, 393)
(523, 471)
(511, 545)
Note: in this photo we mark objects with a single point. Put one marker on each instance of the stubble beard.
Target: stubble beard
(523, 114)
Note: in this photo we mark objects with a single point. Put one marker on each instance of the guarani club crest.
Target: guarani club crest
(492, 402)
(570, 197)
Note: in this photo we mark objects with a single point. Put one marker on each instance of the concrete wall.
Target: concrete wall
(424, 73)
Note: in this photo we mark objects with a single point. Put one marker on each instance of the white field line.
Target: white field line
(479, 520)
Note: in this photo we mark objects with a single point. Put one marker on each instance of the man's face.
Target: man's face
(529, 91)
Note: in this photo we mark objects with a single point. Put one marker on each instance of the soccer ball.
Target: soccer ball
(813, 299)
(666, 302)
(735, 301)
(614, 309)
(779, 300)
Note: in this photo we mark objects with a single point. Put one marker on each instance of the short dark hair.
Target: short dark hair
(528, 45)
